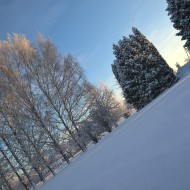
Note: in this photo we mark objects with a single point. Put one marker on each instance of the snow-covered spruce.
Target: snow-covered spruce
(140, 70)
(179, 12)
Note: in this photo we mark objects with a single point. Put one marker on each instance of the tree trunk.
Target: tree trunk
(93, 137)
(38, 152)
(5, 180)
(23, 148)
(107, 127)
(18, 161)
(19, 177)
(30, 160)
(50, 135)
(59, 115)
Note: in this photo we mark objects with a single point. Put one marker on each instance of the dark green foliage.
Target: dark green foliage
(179, 12)
(140, 70)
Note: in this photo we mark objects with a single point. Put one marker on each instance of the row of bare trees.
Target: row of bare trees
(48, 111)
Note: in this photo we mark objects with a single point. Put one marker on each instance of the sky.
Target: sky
(88, 28)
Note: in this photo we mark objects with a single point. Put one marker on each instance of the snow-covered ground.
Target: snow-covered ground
(148, 151)
(184, 70)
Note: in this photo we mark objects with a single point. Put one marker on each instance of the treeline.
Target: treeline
(48, 111)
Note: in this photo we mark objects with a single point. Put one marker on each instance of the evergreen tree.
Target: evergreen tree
(179, 12)
(140, 70)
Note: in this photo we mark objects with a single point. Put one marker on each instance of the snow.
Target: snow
(184, 70)
(148, 151)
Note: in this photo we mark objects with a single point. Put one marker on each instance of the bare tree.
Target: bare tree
(3, 179)
(105, 109)
(48, 109)
(15, 54)
(11, 113)
(13, 168)
(3, 137)
(62, 84)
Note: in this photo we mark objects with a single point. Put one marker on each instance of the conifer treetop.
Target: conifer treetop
(140, 70)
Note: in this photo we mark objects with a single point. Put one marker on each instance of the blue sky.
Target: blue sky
(88, 28)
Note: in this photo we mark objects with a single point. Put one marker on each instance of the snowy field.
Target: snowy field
(149, 151)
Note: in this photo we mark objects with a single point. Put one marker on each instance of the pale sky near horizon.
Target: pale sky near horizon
(88, 28)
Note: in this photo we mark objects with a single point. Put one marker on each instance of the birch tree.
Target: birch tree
(14, 54)
(105, 110)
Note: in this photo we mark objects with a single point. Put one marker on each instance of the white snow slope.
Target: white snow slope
(149, 151)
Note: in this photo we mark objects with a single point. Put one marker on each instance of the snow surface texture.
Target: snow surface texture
(148, 151)
(184, 70)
